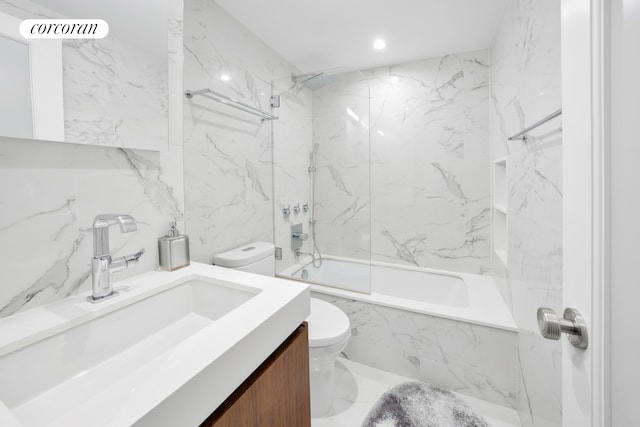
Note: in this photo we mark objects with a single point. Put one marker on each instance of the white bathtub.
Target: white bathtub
(458, 296)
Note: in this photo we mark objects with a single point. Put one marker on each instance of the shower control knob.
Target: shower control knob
(303, 237)
(286, 211)
(572, 323)
(296, 209)
(305, 207)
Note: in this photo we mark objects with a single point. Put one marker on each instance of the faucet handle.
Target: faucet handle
(300, 236)
(135, 257)
(126, 261)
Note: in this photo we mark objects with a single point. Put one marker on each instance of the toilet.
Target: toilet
(329, 328)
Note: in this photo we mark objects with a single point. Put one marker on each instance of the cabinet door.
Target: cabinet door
(276, 394)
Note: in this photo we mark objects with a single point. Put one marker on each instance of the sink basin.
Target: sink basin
(125, 359)
(85, 359)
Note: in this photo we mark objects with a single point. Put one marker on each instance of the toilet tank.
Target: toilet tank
(256, 257)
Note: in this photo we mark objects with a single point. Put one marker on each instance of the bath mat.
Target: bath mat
(416, 404)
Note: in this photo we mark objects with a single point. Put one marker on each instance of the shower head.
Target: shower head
(311, 81)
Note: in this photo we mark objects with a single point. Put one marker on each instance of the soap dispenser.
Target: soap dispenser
(173, 249)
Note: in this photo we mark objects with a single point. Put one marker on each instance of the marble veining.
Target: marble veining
(343, 198)
(526, 86)
(50, 193)
(53, 280)
(475, 360)
(338, 181)
(51, 227)
(230, 157)
(408, 249)
(253, 176)
(127, 106)
(416, 182)
(148, 175)
(452, 184)
(115, 94)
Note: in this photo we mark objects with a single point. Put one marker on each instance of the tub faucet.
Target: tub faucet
(102, 264)
(298, 253)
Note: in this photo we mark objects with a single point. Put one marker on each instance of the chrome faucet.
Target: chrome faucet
(299, 236)
(102, 264)
(298, 253)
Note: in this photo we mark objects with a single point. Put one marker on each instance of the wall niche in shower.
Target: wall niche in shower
(500, 210)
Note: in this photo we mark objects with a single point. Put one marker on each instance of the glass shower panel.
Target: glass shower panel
(335, 156)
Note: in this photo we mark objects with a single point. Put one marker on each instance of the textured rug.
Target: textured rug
(416, 404)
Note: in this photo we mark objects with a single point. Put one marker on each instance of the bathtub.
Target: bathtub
(450, 329)
(462, 297)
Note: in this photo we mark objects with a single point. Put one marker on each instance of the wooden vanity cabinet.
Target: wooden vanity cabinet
(276, 394)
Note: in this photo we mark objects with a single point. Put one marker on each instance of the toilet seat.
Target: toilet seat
(328, 325)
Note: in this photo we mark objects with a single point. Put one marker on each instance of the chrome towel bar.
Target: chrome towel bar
(223, 99)
(522, 135)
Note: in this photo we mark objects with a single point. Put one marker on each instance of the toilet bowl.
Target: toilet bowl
(329, 333)
(329, 328)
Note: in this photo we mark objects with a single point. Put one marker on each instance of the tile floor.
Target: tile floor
(359, 386)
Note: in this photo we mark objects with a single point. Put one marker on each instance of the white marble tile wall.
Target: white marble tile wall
(429, 174)
(229, 155)
(115, 93)
(416, 190)
(127, 103)
(343, 198)
(50, 192)
(526, 83)
(292, 148)
(474, 360)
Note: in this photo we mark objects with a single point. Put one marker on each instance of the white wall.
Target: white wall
(403, 176)
(115, 93)
(625, 203)
(291, 178)
(341, 126)
(229, 155)
(525, 87)
(474, 360)
(50, 192)
(430, 163)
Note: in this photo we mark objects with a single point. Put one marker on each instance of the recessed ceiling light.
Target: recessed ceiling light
(395, 80)
(379, 44)
(225, 77)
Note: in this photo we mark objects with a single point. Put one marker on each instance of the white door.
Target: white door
(584, 394)
(624, 343)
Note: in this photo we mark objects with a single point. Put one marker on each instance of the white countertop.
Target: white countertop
(180, 385)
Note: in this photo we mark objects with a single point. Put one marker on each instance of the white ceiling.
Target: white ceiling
(338, 35)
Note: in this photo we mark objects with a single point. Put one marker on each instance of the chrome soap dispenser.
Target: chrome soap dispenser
(173, 249)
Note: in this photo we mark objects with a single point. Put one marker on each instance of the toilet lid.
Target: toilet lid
(328, 324)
